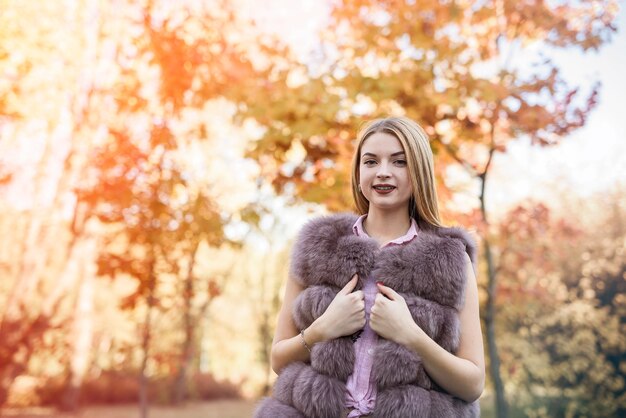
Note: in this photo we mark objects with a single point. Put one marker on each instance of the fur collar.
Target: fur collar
(328, 252)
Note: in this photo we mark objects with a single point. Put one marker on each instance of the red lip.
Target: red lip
(383, 192)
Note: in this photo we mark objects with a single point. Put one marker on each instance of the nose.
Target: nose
(383, 171)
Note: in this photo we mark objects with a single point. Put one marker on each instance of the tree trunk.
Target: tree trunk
(490, 315)
(494, 357)
(269, 304)
(83, 326)
(145, 346)
(180, 386)
(83, 248)
(264, 326)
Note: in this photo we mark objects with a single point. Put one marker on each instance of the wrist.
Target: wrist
(314, 333)
(414, 338)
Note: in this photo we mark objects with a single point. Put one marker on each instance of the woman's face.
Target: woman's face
(384, 176)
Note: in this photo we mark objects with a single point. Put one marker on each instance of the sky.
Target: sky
(587, 161)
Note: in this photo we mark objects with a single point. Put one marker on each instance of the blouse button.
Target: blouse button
(370, 351)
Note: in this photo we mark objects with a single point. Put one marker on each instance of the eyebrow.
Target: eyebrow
(374, 155)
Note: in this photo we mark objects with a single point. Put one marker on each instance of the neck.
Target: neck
(385, 225)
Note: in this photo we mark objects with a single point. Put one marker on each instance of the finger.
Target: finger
(380, 298)
(387, 291)
(349, 287)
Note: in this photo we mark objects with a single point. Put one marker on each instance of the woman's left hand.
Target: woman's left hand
(390, 317)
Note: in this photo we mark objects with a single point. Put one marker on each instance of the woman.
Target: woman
(380, 316)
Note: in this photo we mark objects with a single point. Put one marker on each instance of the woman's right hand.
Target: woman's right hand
(346, 313)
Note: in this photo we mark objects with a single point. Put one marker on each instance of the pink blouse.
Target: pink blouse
(360, 388)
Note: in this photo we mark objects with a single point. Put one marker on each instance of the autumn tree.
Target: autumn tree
(125, 78)
(267, 273)
(144, 186)
(561, 294)
(160, 219)
(448, 65)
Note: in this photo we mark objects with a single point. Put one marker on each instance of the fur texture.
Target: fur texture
(311, 303)
(429, 272)
(334, 358)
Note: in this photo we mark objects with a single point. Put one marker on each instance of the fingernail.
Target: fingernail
(381, 283)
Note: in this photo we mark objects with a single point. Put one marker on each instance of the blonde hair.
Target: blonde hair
(423, 204)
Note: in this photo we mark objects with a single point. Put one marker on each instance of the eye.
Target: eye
(369, 162)
(401, 162)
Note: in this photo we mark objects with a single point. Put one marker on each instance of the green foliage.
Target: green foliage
(562, 322)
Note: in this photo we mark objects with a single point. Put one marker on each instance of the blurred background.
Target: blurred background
(157, 158)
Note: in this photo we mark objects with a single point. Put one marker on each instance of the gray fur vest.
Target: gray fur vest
(429, 272)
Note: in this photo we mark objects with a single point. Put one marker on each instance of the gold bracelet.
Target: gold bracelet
(304, 341)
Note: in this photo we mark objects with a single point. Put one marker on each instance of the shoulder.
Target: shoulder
(326, 251)
(436, 264)
(459, 238)
(327, 227)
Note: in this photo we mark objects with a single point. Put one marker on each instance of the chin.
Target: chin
(387, 206)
